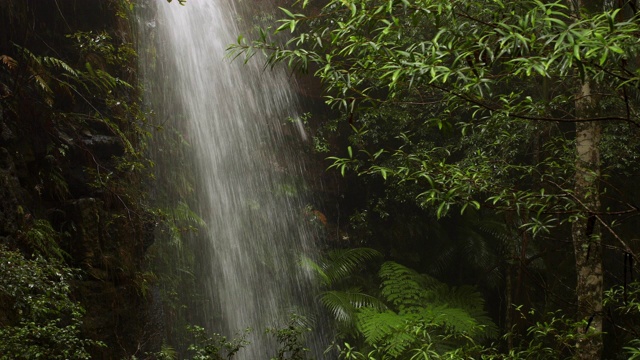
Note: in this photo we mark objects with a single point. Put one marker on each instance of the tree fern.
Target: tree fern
(340, 264)
(386, 329)
(343, 263)
(39, 68)
(9, 62)
(42, 238)
(344, 304)
(432, 291)
(450, 319)
(468, 298)
(414, 309)
(334, 272)
(52, 62)
(403, 287)
(395, 333)
(180, 219)
(421, 311)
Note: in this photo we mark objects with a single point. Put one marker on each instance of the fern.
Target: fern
(340, 264)
(38, 73)
(343, 305)
(116, 130)
(451, 320)
(183, 213)
(9, 62)
(59, 64)
(181, 219)
(378, 327)
(334, 272)
(468, 298)
(416, 312)
(423, 312)
(343, 263)
(42, 238)
(403, 287)
(46, 71)
(396, 333)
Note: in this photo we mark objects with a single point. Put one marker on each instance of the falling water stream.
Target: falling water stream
(233, 115)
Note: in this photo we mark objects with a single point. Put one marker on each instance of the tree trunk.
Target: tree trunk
(585, 230)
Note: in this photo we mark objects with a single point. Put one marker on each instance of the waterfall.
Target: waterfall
(249, 183)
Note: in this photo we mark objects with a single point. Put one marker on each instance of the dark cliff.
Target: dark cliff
(72, 170)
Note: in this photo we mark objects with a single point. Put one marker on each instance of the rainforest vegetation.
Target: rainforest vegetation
(488, 143)
(478, 157)
(74, 220)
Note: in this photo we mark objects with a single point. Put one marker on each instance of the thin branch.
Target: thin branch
(529, 117)
(626, 247)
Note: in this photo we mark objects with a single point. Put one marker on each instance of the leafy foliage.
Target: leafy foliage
(215, 346)
(71, 122)
(341, 296)
(291, 339)
(45, 321)
(41, 237)
(340, 264)
(460, 105)
(422, 311)
(499, 80)
(409, 311)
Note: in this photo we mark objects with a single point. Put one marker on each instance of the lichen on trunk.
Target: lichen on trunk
(585, 229)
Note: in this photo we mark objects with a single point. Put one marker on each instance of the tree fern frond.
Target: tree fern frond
(402, 286)
(183, 213)
(42, 84)
(28, 54)
(59, 64)
(9, 62)
(338, 305)
(443, 261)
(480, 252)
(344, 304)
(454, 320)
(377, 327)
(486, 328)
(465, 297)
(399, 342)
(343, 263)
(480, 249)
(309, 264)
(468, 299)
(495, 229)
(461, 309)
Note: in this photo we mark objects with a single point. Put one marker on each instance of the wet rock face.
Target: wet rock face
(9, 195)
(85, 245)
(105, 145)
(5, 133)
(48, 161)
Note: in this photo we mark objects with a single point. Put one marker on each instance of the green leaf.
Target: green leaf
(289, 13)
